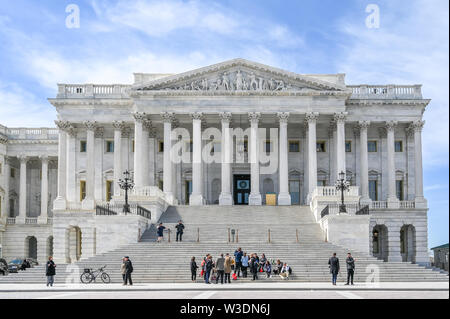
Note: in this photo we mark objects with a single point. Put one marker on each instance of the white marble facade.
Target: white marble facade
(323, 126)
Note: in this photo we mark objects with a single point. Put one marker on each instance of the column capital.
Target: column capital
(62, 125)
(168, 117)
(126, 131)
(23, 158)
(356, 130)
(283, 117)
(391, 125)
(363, 125)
(340, 117)
(382, 132)
(99, 130)
(147, 125)
(254, 117)
(225, 117)
(90, 125)
(140, 117)
(197, 116)
(118, 125)
(417, 126)
(311, 117)
(44, 158)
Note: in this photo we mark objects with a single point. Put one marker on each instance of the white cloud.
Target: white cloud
(410, 47)
(435, 187)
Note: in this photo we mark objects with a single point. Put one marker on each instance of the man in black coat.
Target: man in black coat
(50, 271)
(208, 267)
(128, 271)
(333, 263)
(350, 268)
(180, 229)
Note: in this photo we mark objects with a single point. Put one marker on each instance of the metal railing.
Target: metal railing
(325, 212)
(364, 210)
(115, 209)
(352, 209)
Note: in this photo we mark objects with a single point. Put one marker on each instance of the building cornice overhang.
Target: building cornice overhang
(46, 142)
(90, 102)
(170, 80)
(369, 102)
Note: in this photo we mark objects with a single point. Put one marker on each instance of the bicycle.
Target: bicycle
(88, 275)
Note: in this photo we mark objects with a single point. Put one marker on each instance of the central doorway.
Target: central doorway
(241, 187)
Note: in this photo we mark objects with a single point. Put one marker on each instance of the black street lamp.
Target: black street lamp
(342, 185)
(126, 184)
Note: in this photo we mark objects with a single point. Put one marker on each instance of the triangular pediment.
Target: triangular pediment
(239, 75)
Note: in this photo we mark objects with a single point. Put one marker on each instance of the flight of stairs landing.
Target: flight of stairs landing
(169, 262)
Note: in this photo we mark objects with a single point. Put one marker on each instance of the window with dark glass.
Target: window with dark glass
(398, 146)
(294, 146)
(109, 146)
(320, 146)
(83, 146)
(348, 146)
(373, 190)
(399, 189)
(372, 146)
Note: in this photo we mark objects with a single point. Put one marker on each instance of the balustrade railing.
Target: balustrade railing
(10, 220)
(332, 191)
(93, 90)
(31, 220)
(379, 204)
(351, 209)
(407, 204)
(386, 91)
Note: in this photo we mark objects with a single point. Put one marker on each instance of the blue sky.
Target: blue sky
(117, 38)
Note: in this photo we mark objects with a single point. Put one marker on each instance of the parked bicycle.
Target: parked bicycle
(89, 276)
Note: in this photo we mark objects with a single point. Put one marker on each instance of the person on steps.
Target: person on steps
(128, 270)
(244, 262)
(208, 268)
(180, 230)
(333, 263)
(160, 232)
(123, 270)
(220, 267)
(350, 261)
(227, 268)
(268, 268)
(50, 271)
(237, 258)
(193, 269)
(254, 267)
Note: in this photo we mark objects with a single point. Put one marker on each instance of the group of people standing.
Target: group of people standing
(160, 231)
(333, 263)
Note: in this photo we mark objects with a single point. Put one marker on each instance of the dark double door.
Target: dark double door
(241, 189)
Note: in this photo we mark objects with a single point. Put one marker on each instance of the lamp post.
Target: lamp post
(126, 184)
(342, 185)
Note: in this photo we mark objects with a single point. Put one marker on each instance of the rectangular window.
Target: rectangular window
(13, 172)
(373, 190)
(245, 146)
(188, 191)
(109, 146)
(11, 207)
(294, 146)
(83, 146)
(109, 190)
(161, 185)
(82, 190)
(320, 146)
(294, 191)
(267, 145)
(132, 146)
(372, 146)
(399, 146)
(189, 146)
(399, 189)
(321, 182)
(348, 146)
(161, 146)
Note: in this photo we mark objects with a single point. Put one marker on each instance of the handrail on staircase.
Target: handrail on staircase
(198, 234)
(325, 211)
(269, 234)
(296, 234)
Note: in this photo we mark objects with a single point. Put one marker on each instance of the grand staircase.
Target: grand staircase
(295, 238)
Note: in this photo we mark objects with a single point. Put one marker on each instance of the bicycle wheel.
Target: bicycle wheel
(105, 278)
(86, 278)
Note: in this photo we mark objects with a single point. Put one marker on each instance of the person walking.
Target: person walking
(220, 268)
(238, 261)
(208, 268)
(128, 271)
(193, 269)
(227, 268)
(350, 261)
(50, 271)
(180, 230)
(333, 263)
(244, 262)
(123, 270)
(160, 232)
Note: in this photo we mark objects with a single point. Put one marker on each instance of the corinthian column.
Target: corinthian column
(255, 195)
(118, 127)
(147, 127)
(196, 198)
(364, 165)
(311, 120)
(42, 219)
(284, 198)
(71, 194)
(392, 196)
(167, 165)
(88, 202)
(225, 197)
(60, 201)
(420, 200)
(339, 118)
(22, 190)
(139, 119)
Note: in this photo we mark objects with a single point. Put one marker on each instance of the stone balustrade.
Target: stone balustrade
(93, 91)
(386, 91)
(10, 220)
(31, 220)
(332, 191)
(31, 133)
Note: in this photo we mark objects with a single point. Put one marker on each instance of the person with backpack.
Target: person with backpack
(180, 230)
(193, 269)
(333, 263)
(160, 232)
(227, 268)
(50, 271)
(128, 271)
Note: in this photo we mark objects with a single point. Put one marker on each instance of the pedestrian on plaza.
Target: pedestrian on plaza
(128, 271)
(123, 270)
(220, 267)
(285, 271)
(268, 268)
(350, 268)
(227, 268)
(238, 261)
(180, 230)
(208, 268)
(333, 263)
(254, 267)
(160, 232)
(193, 269)
(244, 266)
(50, 271)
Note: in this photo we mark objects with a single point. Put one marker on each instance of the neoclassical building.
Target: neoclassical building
(232, 133)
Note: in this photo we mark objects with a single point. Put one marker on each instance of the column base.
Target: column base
(255, 199)
(420, 202)
(225, 199)
(196, 200)
(284, 199)
(88, 204)
(42, 220)
(59, 203)
(393, 203)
